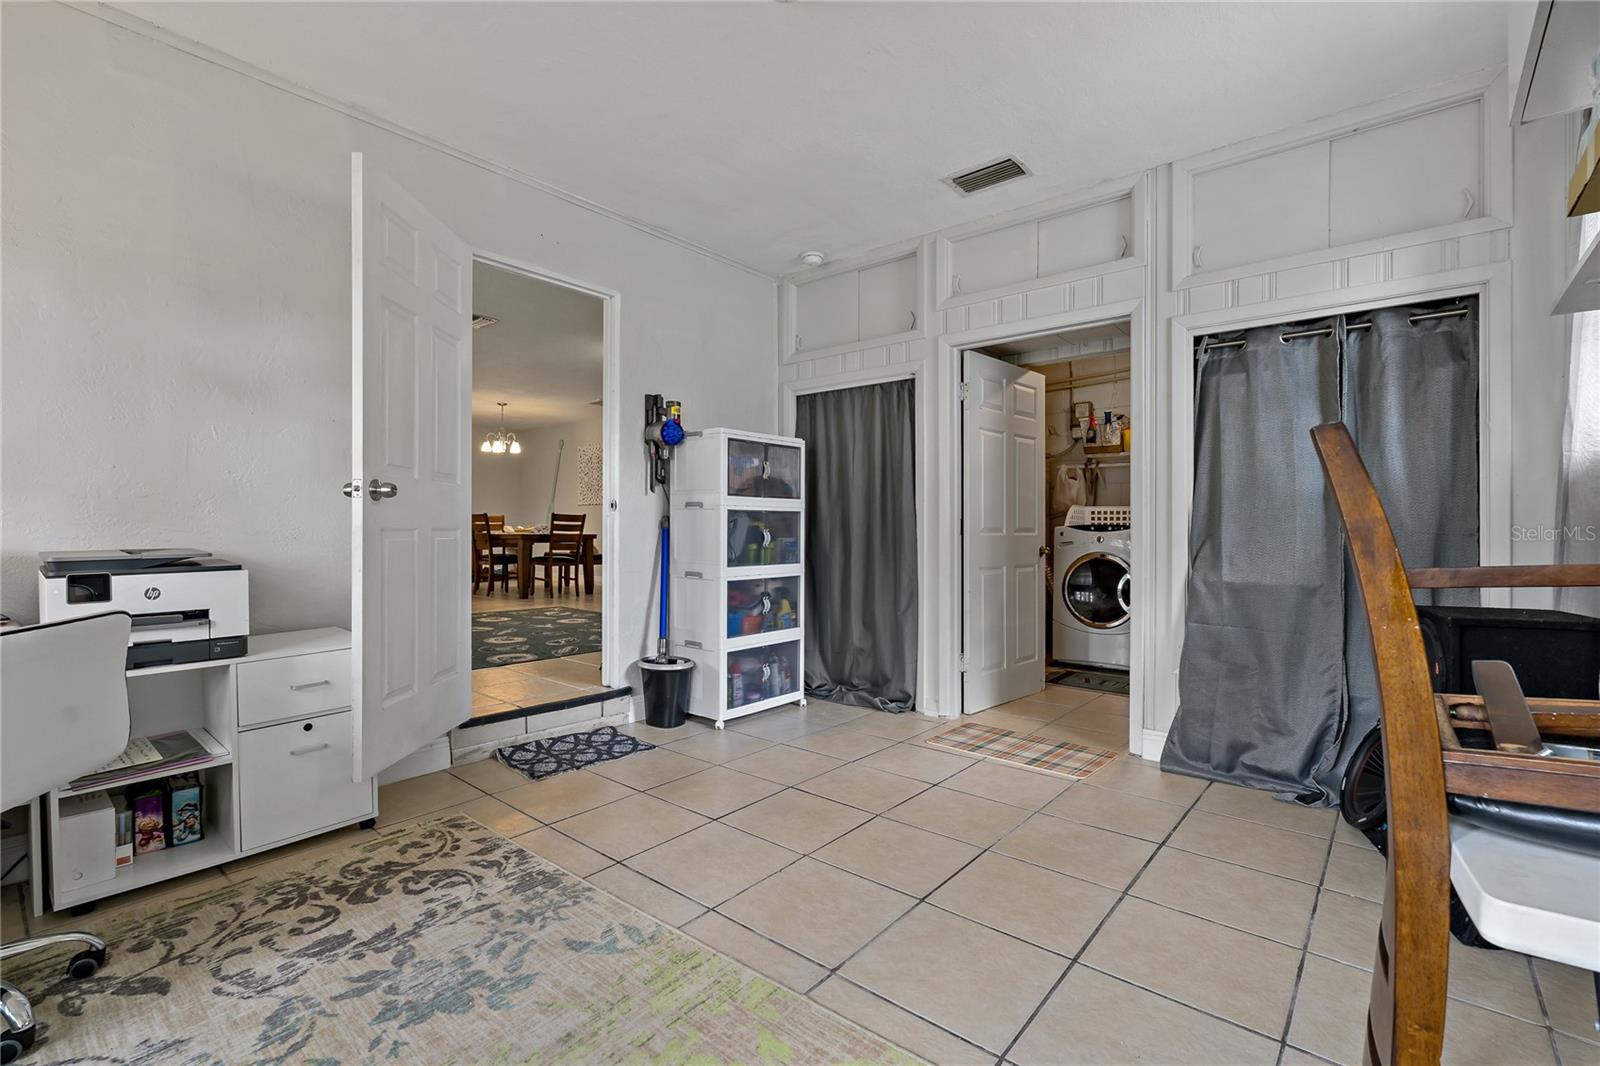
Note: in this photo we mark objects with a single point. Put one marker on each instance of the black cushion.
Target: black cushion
(1573, 830)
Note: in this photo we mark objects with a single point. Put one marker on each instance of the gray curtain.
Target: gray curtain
(1276, 681)
(861, 544)
(1411, 402)
(1262, 672)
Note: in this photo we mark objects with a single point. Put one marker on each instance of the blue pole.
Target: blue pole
(666, 573)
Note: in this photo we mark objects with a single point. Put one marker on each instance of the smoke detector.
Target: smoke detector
(813, 259)
(987, 176)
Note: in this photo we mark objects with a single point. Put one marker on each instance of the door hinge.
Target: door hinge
(962, 662)
(964, 390)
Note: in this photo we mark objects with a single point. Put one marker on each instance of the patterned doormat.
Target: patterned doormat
(528, 634)
(1093, 680)
(438, 943)
(1039, 753)
(557, 755)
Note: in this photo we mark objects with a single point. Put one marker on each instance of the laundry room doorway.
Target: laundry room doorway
(1046, 529)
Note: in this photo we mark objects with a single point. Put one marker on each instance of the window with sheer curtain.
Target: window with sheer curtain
(1580, 457)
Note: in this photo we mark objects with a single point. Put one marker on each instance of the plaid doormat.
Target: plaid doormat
(1039, 753)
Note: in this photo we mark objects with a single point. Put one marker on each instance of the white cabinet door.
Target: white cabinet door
(291, 780)
(1410, 175)
(1000, 257)
(411, 282)
(1262, 208)
(1003, 541)
(888, 298)
(827, 311)
(1099, 234)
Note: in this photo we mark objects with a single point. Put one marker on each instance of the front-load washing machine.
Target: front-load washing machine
(1094, 587)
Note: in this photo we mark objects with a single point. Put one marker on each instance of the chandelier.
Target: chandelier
(499, 442)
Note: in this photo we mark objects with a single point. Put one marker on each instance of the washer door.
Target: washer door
(1098, 589)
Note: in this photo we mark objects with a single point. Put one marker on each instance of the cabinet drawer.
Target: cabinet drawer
(295, 686)
(295, 778)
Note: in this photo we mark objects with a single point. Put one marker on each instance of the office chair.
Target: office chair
(63, 714)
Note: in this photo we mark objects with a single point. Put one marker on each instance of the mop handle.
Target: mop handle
(661, 639)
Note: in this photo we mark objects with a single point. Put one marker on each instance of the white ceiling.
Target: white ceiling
(761, 130)
(544, 358)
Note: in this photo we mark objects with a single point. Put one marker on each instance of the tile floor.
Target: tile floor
(499, 689)
(977, 913)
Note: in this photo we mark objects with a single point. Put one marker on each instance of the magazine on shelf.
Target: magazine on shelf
(145, 755)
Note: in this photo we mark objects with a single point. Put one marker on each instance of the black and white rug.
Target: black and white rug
(1091, 679)
(501, 638)
(557, 755)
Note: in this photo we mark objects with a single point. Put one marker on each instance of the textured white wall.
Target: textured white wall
(176, 364)
(539, 448)
(499, 482)
(1533, 249)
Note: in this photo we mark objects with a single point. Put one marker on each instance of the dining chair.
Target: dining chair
(489, 560)
(566, 548)
(497, 522)
(1501, 797)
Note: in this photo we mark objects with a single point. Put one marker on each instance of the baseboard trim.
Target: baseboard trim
(1153, 742)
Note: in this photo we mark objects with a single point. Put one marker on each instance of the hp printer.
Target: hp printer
(186, 606)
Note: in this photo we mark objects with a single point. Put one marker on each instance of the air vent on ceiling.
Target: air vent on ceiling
(483, 321)
(987, 176)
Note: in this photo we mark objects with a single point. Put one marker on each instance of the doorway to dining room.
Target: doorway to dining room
(537, 563)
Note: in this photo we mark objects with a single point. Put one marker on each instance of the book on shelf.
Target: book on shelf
(145, 755)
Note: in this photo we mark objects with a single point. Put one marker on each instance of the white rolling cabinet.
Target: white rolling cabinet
(738, 570)
(280, 731)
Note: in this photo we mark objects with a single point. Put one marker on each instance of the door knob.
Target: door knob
(1043, 551)
(352, 489)
(382, 490)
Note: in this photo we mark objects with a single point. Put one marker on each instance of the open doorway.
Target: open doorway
(537, 565)
(1047, 530)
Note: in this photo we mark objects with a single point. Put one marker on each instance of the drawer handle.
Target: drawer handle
(694, 573)
(309, 684)
(308, 750)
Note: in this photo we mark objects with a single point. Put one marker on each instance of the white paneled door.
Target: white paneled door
(411, 281)
(1003, 531)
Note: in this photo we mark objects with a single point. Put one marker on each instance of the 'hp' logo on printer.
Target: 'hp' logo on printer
(152, 593)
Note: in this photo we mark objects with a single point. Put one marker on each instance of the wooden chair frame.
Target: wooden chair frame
(565, 550)
(485, 557)
(1424, 759)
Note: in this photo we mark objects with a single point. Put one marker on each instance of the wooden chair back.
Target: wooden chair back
(481, 526)
(1405, 1015)
(497, 522)
(566, 535)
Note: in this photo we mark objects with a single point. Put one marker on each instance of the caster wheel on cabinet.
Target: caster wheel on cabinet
(86, 963)
(15, 1043)
(367, 823)
(82, 909)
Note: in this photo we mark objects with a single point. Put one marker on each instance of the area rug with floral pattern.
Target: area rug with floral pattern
(530, 634)
(441, 942)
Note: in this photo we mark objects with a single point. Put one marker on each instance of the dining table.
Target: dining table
(522, 543)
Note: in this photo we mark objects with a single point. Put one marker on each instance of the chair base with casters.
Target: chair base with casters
(16, 1011)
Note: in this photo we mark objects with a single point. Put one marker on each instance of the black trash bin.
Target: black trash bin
(667, 680)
